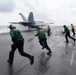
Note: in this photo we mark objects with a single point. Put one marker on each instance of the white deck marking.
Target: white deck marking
(72, 58)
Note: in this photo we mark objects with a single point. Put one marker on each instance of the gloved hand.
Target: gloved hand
(62, 32)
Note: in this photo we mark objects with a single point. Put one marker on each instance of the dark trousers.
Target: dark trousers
(73, 32)
(48, 32)
(43, 43)
(68, 35)
(18, 45)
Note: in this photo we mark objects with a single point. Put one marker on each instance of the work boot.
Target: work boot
(32, 60)
(49, 52)
(67, 41)
(9, 62)
(43, 47)
(74, 40)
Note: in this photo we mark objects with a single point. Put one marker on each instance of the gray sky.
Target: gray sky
(58, 11)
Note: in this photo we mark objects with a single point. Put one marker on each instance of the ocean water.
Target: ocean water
(5, 29)
(54, 29)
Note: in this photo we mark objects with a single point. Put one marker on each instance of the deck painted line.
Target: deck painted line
(57, 42)
(72, 58)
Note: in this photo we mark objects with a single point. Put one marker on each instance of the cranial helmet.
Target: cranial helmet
(11, 27)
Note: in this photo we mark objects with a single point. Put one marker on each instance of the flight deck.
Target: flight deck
(62, 61)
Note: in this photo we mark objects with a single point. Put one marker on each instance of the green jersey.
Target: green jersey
(16, 35)
(41, 34)
(66, 30)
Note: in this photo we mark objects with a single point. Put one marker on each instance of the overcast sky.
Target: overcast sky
(57, 11)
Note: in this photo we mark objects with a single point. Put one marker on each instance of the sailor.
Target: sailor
(67, 34)
(18, 42)
(73, 29)
(43, 40)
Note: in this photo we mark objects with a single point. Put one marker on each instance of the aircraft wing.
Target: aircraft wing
(22, 23)
(32, 24)
(42, 23)
(14, 22)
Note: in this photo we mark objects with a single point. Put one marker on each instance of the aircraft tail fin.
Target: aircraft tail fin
(24, 19)
(31, 17)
